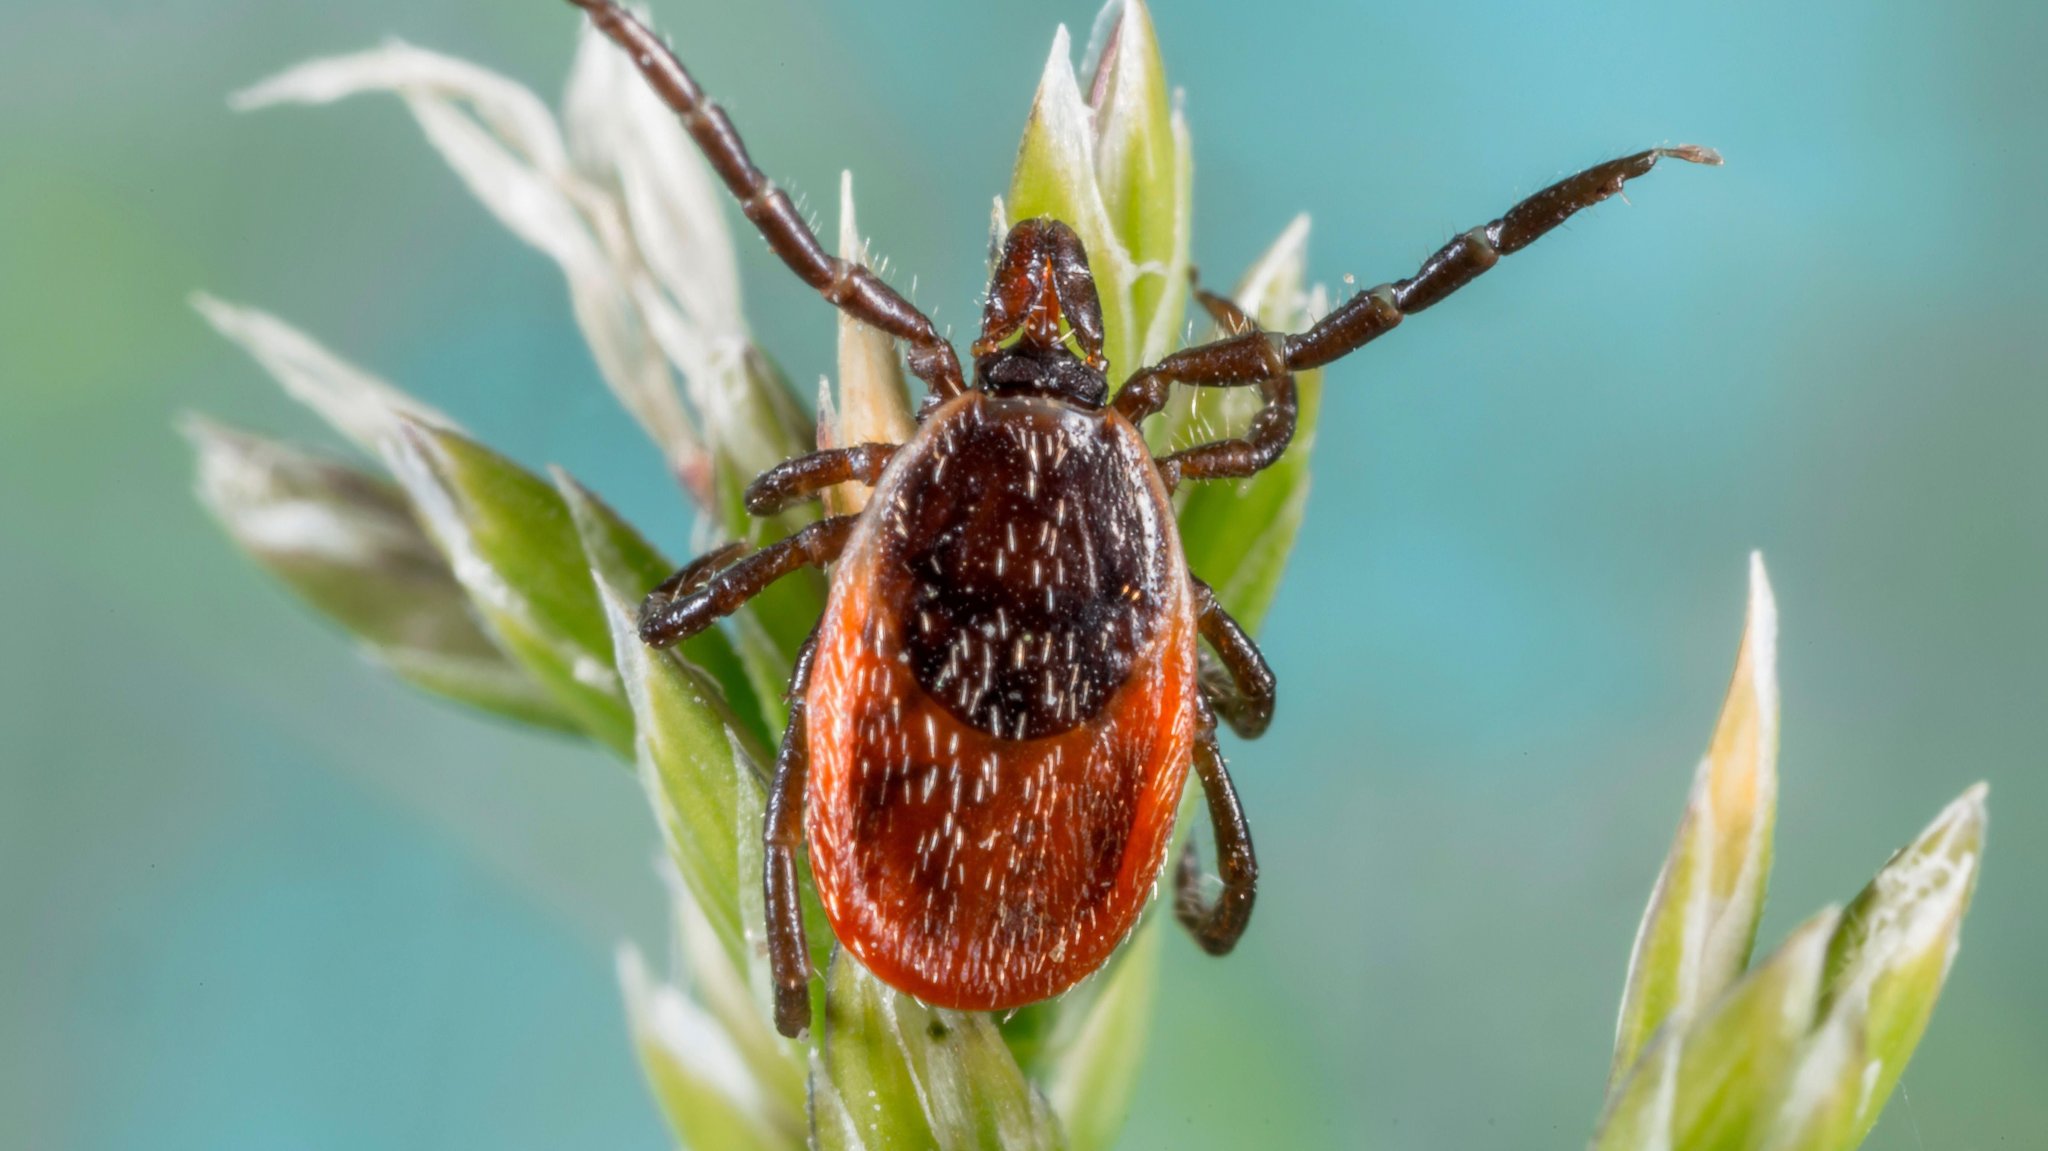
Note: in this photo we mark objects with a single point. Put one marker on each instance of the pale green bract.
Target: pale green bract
(1799, 1052)
(476, 579)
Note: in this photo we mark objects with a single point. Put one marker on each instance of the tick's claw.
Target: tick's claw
(793, 1011)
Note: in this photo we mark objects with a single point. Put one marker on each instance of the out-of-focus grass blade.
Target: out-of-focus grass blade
(1697, 932)
(738, 997)
(347, 542)
(1887, 963)
(1821, 1098)
(1638, 1116)
(1095, 1053)
(705, 1090)
(353, 402)
(891, 1073)
(1739, 1053)
(1714, 1081)
(1238, 533)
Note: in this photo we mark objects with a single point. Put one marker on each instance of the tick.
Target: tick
(990, 728)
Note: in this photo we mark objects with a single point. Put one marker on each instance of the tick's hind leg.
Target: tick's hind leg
(691, 600)
(1243, 688)
(1217, 925)
(789, 958)
(847, 285)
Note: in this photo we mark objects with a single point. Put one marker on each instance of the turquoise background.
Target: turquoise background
(255, 895)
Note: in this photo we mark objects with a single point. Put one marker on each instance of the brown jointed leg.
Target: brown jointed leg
(665, 620)
(1254, 356)
(806, 476)
(1262, 445)
(692, 576)
(789, 958)
(1225, 311)
(1245, 692)
(849, 286)
(1272, 427)
(1216, 926)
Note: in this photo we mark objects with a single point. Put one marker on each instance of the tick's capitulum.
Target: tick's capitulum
(990, 728)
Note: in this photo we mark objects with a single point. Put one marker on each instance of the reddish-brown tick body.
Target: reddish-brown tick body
(1002, 708)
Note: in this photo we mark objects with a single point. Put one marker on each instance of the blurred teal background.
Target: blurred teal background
(254, 894)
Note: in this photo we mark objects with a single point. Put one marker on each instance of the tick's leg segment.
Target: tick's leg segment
(674, 619)
(693, 575)
(1262, 445)
(1222, 309)
(849, 286)
(1272, 429)
(806, 476)
(1244, 693)
(1217, 926)
(789, 959)
(1253, 356)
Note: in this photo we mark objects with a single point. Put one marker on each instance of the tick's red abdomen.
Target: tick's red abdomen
(1002, 709)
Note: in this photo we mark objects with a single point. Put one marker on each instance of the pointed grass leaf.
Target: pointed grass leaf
(873, 405)
(354, 402)
(1887, 963)
(511, 542)
(1740, 1052)
(1055, 176)
(1143, 170)
(346, 541)
(1714, 1081)
(623, 559)
(1701, 921)
(1822, 1095)
(1237, 534)
(702, 773)
(1113, 164)
(891, 1073)
(703, 1085)
(1638, 1112)
(738, 997)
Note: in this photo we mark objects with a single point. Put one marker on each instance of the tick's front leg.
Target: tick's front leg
(1250, 356)
(805, 476)
(672, 618)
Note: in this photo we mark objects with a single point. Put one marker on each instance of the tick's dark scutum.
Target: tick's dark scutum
(1031, 569)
